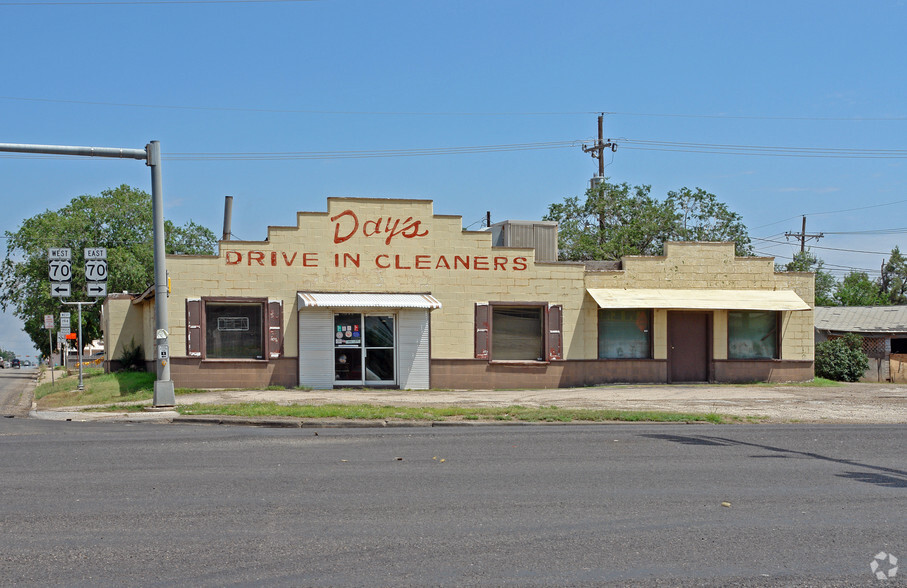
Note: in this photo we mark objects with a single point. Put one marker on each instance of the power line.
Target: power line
(832, 212)
(138, 2)
(759, 117)
(272, 156)
(898, 231)
(767, 240)
(390, 113)
(830, 266)
(411, 152)
(292, 110)
(763, 150)
(364, 154)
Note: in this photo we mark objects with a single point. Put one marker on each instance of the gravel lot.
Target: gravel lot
(847, 403)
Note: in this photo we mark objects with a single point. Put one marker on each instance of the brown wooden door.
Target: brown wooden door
(688, 346)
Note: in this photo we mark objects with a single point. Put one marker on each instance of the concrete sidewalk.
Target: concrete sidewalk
(847, 403)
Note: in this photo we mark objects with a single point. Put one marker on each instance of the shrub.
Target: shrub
(841, 359)
(132, 358)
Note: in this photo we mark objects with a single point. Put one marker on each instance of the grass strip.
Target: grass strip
(509, 413)
(100, 388)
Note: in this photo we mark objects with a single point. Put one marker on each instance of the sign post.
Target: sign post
(49, 325)
(80, 304)
(65, 329)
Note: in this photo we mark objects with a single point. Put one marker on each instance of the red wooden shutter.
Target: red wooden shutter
(194, 327)
(481, 331)
(555, 334)
(275, 328)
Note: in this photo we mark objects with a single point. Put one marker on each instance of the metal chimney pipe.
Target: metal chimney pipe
(228, 217)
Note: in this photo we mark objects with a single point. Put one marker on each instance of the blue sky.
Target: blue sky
(370, 76)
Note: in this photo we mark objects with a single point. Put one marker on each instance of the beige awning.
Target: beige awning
(697, 299)
(362, 300)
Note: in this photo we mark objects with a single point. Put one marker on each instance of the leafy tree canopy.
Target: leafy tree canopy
(120, 219)
(806, 261)
(614, 220)
(858, 290)
(893, 282)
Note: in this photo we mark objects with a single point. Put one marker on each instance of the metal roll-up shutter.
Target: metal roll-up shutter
(316, 348)
(413, 349)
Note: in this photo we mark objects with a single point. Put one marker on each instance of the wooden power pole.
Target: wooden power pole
(597, 151)
(803, 236)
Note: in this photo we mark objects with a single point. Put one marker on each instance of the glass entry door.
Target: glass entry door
(364, 349)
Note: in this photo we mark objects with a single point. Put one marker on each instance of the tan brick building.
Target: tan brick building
(379, 292)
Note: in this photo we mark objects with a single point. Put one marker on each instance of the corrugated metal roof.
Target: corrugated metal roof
(862, 319)
(362, 300)
(679, 299)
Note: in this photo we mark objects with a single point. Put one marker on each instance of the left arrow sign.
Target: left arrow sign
(60, 289)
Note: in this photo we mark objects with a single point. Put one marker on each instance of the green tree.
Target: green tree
(702, 217)
(614, 220)
(841, 359)
(120, 220)
(893, 282)
(806, 261)
(856, 289)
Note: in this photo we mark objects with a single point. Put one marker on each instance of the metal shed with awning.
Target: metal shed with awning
(695, 299)
(335, 329)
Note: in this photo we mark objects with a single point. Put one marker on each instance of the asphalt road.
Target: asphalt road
(148, 504)
(13, 383)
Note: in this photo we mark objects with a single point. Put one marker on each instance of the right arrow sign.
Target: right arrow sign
(97, 289)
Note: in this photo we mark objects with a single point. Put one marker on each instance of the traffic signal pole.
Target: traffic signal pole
(164, 394)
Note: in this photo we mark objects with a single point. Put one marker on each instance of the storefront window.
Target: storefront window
(752, 334)
(517, 333)
(624, 334)
(234, 330)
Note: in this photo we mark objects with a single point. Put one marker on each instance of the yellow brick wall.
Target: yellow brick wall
(124, 324)
(712, 266)
(320, 265)
(305, 257)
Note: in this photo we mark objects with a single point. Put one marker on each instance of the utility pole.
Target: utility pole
(803, 236)
(597, 151)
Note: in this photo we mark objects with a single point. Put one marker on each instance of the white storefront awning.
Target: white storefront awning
(697, 299)
(362, 300)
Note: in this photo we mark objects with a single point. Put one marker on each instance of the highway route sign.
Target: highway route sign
(60, 270)
(95, 270)
(64, 321)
